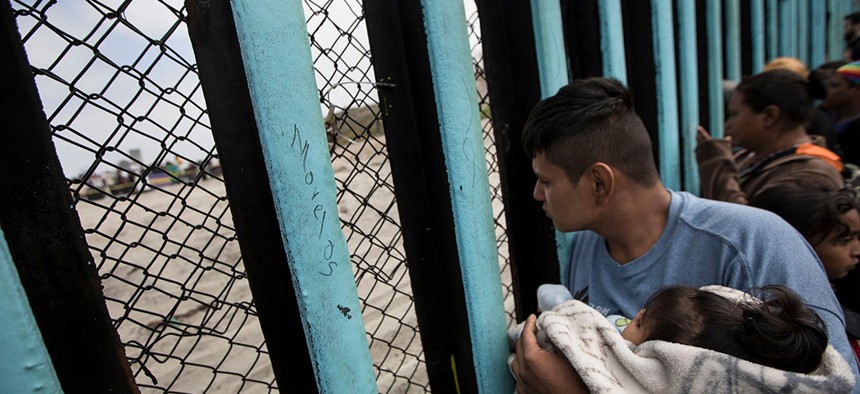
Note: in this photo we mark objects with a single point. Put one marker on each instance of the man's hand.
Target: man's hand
(541, 371)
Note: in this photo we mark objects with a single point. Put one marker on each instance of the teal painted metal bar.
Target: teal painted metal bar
(842, 10)
(551, 59)
(276, 53)
(713, 25)
(835, 43)
(818, 25)
(549, 44)
(847, 8)
(802, 30)
(787, 28)
(663, 39)
(462, 144)
(757, 32)
(612, 40)
(689, 100)
(773, 38)
(733, 40)
(25, 366)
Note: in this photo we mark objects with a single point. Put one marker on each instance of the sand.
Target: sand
(174, 282)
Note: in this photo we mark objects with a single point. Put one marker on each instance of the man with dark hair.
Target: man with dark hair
(597, 176)
(852, 36)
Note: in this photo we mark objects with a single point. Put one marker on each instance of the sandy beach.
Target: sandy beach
(174, 281)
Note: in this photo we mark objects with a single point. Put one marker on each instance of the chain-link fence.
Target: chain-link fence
(366, 193)
(120, 89)
(119, 85)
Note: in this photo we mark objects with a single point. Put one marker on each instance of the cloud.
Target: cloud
(110, 86)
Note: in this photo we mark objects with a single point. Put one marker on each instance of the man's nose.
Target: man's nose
(537, 193)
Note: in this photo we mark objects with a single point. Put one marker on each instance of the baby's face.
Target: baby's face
(635, 331)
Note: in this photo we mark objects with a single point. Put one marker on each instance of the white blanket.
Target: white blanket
(610, 364)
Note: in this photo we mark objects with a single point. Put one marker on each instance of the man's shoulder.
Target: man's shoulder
(702, 210)
(728, 220)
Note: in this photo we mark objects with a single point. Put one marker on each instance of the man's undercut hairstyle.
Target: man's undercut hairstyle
(589, 121)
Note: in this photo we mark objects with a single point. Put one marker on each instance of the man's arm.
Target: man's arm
(539, 371)
(718, 171)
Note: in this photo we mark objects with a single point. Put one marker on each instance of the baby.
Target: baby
(777, 329)
(679, 327)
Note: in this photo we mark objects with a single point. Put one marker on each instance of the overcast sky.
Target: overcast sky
(115, 90)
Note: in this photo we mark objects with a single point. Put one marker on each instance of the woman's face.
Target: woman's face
(743, 123)
(840, 250)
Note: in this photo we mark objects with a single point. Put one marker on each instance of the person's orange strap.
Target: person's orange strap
(810, 149)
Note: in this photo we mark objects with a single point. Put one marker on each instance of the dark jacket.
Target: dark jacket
(848, 140)
(732, 178)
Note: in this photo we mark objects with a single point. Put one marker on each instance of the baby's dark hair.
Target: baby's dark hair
(777, 329)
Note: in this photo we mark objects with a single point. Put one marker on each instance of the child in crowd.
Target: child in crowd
(770, 327)
(827, 218)
(830, 222)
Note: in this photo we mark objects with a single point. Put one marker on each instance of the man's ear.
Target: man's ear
(771, 115)
(602, 182)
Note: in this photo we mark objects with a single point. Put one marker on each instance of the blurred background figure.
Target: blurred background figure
(788, 63)
(852, 37)
(768, 113)
(843, 97)
(823, 119)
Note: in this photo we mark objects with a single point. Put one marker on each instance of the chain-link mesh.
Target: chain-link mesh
(366, 193)
(120, 89)
(119, 85)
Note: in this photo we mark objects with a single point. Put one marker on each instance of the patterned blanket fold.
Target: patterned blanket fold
(608, 363)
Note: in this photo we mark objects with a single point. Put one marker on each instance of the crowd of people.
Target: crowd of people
(777, 217)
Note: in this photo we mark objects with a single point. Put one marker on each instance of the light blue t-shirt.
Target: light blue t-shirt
(707, 242)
